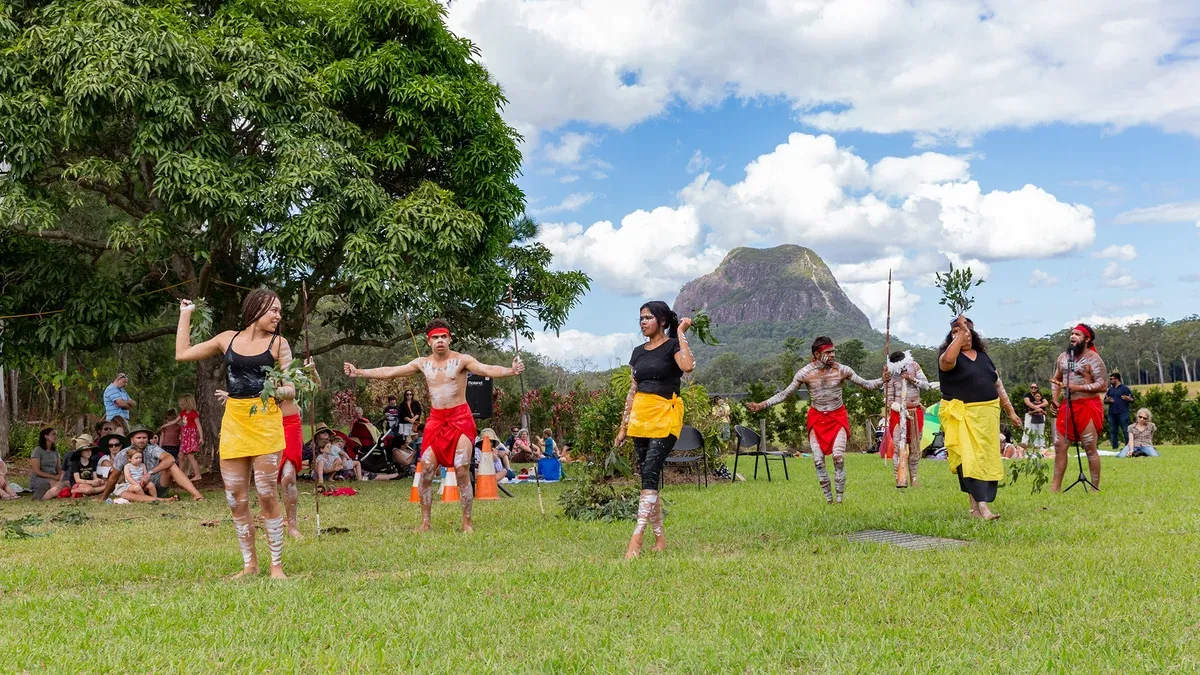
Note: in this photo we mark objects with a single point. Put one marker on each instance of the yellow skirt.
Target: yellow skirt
(246, 435)
(653, 416)
(973, 438)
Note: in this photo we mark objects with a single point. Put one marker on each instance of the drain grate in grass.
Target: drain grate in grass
(912, 542)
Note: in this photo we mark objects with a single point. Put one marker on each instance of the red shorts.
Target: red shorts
(1086, 410)
(293, 438)
(826, 426)
(443, 429)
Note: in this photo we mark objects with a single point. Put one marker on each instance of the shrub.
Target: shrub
(591, 500)
(21, 439)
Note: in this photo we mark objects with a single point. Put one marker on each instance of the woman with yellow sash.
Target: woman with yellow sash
(252, 436)
(972, 394)
(653, 410)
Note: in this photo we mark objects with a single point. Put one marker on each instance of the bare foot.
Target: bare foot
(660, 544)
(992, 516)
(172, 498)
(277, 572)
(975, 513)
(467, 529)
(294, 533)
(424, 527)
(632, 553)
(250, 571)
(197, 498)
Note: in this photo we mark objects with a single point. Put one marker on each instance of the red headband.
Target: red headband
(434, 332)
(824, 348)
(1084, 329)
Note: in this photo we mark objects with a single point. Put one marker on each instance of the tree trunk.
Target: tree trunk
(1158, 361)
(210, 376)
(5, 417)
(1187, 371)
(62, 390)
(13, 395)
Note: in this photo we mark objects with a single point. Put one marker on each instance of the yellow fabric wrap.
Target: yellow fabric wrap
(653, 416)
(246, 435)
(973, 438)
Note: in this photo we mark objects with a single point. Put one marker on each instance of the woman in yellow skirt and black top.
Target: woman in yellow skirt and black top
(972, 394)
(653, 410)
(252, 438)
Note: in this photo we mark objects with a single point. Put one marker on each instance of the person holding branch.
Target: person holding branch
(252, 436)
(972, 395)
(449, 438)
(653, 410)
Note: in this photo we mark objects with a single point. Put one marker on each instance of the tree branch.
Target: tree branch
(121, 201)
(348, 341)
(150, 334)
(67, 236)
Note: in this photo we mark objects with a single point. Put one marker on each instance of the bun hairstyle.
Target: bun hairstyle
(668, 320)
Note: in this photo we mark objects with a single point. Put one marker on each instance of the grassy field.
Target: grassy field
(1193, 388)
(759, 577)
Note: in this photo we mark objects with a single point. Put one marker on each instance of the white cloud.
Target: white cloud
(568, 178)
(572, 202)
(1008, 302)
(1126, 252)
(872, 298)
(651, 254)
(941, 70)
(1116, 276)
(1129, 303)
(901, 176)
(1101, 185)
(1179, 212)
(1040, 278)
(1095, 320)
(570, 148)
(698, 162)
(570, 346)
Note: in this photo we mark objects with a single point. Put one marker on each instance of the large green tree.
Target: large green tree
(159, 149)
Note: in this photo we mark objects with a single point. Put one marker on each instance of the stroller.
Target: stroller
(377, 457)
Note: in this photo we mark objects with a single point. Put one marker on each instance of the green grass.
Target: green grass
(1193, 388)
(759, 577)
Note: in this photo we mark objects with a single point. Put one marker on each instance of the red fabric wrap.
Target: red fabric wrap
(894, 419)
(442, 430)
(1086, 410)
(293, 438)
(826, 426)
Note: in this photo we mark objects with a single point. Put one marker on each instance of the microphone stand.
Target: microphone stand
(1075, 423)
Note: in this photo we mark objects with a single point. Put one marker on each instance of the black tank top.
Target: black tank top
(970, 381)
(244, 375)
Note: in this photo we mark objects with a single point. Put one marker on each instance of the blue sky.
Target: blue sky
(1051, 148)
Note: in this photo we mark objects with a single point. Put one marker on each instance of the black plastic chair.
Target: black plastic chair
(690, 441)
(749, 438)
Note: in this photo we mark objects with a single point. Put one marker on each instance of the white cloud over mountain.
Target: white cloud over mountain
(574, 347)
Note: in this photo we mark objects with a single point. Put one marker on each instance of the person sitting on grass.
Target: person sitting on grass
(1008, 449)
(161, 465)
(329, 463)
(1141, 437)
(499, 454)
(550, 448)
(46, 480)
(83, 466)
(6, 488)
(522, 450)
(137, 480)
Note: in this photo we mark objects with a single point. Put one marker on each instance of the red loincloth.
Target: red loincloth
(916, 414)
(826, 426)
(293, 437)
(1086, 410)
(443, 429)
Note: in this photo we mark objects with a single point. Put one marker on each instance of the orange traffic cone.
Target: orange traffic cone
(450, 487)
(485, 473)
(415, 495)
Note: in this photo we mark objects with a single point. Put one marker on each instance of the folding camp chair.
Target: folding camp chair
(690, 441)
(749, 438)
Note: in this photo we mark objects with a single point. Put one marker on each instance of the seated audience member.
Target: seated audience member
(522, 451)
(83, 466)
(137, 484)
(46, 479)
(332, 462)
(161, 466)
(6, 489)
(1141, 437)
(1008, 449)
(320, 436)
(169, 434)
(549, 447)
(108, 446)
(510, 442)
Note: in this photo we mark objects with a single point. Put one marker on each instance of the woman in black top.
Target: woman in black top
(252, 439)
(653, 410)
(972, 394)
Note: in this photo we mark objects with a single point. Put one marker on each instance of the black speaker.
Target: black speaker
(479, 395)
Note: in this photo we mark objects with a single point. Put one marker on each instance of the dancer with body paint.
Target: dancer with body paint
(653, 410)
(1081, 418)
(904, 382)
(449, 437)
(828, 424)
(252, 436)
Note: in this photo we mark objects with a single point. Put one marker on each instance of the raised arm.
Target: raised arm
(948, 358)
(625, 415)
(684, 358)
(386, 373)
(184, 349)
(849, 374)
(919, 379)
(779, 397)
(473, 365)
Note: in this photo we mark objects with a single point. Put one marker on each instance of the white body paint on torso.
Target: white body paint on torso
(447, 381)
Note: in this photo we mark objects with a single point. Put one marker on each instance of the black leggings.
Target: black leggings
(651, 455)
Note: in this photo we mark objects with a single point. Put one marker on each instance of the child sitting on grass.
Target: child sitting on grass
(137, 478)
(6, 489)
(332, 461)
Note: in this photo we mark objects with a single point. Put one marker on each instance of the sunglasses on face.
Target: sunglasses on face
(1143, 417)
(114, 445)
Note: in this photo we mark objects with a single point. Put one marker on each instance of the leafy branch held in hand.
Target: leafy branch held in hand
(955, 285)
